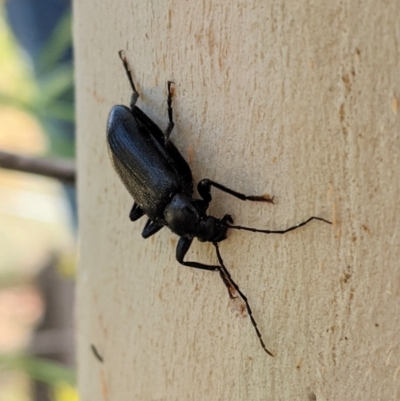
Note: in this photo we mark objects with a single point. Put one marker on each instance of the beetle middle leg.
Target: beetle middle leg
(171, 123)
(204, 189)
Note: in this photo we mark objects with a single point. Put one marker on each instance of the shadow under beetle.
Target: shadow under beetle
(160, 182)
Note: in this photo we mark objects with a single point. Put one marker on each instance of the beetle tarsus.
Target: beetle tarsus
(261, 198)
(171, 123)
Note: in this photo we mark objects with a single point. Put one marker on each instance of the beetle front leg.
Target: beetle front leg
(171, 123)
(181, 250)
(204, 189)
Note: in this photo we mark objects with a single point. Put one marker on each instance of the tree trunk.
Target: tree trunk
(293, 99)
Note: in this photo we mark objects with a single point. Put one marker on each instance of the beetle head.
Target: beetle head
(212, 229)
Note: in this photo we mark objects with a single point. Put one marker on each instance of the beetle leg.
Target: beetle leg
(136, 212)
(150, 229)
(232, 286)
(171, 123)
(135, 94)
(204, 189)
(181, 250)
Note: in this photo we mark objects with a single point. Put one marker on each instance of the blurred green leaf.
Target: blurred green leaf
(48, 95)
(13, 101)
(59, 42)
(60, 110)
(57, 82)
(42, 370)
(60, 145)
(42, 107)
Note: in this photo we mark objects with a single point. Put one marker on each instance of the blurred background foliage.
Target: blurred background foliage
(38, 215)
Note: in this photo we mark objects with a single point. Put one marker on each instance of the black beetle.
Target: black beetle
(160, 182)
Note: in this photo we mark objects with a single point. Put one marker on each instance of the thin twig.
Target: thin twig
(63, 170)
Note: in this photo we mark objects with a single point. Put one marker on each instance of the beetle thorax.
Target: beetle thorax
(186, 218)
(181, 216)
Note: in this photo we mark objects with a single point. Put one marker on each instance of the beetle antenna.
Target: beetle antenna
(256, 230)
(228, 281)
(121, 54)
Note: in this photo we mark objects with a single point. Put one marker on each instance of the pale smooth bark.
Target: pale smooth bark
(296, 99)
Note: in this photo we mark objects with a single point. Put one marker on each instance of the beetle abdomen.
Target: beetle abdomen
(141, 162)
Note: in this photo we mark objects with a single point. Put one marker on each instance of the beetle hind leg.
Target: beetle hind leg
(135, 94)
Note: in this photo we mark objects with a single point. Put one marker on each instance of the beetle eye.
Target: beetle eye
(189, 210)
